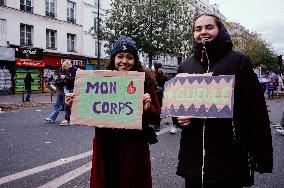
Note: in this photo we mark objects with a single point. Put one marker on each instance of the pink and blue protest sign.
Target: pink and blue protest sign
(199, 96)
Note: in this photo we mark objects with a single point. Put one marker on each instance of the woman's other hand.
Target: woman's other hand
(146, 101)
(184, 120)
(69, 99)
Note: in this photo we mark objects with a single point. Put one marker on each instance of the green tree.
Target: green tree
(157, 26)
(260, 52)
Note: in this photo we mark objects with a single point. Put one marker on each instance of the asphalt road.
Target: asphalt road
(34, 153)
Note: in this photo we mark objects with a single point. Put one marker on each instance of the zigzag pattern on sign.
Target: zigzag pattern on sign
(202, 111)
(199, 79)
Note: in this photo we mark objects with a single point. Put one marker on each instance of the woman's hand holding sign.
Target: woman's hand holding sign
(146, 101)
(184, 120)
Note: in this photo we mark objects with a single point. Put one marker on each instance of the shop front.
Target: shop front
(99, 65)
(28, 60)
(7, 63)
(53, 62)
(24, 66)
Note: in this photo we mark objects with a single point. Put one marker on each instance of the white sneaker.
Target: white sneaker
(280, 131)
(173, 130)
(49, 120)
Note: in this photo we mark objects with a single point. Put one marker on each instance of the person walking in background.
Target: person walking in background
(270, 88)
(121, 157)
(28, 85)
(60, 83)
(161, 78)
(221, 152)
(69, 79)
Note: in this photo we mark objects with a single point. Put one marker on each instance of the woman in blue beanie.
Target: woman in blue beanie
(121, 157)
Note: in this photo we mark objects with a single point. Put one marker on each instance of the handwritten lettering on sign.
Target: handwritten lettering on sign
(199, 96)
(111, 99)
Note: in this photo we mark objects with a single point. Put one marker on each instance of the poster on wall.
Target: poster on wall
(199, 96)
(49, 77)
(5, 81)
(20, 75)
(110, 99)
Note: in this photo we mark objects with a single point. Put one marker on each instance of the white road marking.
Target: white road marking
(38, 169)
(164, 130)
(68, 176)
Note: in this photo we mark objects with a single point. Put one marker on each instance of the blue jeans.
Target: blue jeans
(59, 102)
(28, 96)
(67, 113)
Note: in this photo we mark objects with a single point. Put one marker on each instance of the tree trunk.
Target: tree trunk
(150, 60)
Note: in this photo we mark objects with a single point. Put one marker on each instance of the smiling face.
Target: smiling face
(124, 61)
(205, 29)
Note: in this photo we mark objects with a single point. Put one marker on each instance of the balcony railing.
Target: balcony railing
(26, 8)
(50, 14)
(51, 47)
(27, 44)
(71, 20)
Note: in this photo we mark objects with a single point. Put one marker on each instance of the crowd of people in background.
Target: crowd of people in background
(272, 84)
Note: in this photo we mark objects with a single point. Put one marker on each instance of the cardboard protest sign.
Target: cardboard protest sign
(199, 96)
(111, 99)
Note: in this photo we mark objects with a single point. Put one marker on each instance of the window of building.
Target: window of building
(50, 8)
(2, 2)
(50, 39)
(26, 5)
(71, 42)
(26, 35)
(3, 32)
(71, 10)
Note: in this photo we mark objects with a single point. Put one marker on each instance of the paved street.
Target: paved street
(34, 153)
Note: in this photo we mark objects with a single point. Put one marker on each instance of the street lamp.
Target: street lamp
(98, 35)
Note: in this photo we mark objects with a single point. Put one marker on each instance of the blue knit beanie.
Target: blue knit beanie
(124, 44)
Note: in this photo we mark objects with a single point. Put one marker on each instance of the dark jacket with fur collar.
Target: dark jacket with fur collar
(231, 146)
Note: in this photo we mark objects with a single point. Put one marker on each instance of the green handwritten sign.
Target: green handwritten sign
(111, 99)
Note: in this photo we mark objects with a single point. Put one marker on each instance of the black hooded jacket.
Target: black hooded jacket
(233, 148)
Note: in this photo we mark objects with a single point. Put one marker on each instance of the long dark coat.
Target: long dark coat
(233, 148)
(28, 82)
(121, 157)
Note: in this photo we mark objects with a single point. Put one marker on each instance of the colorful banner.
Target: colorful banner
(111, 99)
(199, 96)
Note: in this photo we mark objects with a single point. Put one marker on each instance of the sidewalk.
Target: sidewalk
(41, 98)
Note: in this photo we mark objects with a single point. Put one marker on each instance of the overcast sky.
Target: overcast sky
(265, 17)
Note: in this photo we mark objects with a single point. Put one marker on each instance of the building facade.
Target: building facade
(41, 34)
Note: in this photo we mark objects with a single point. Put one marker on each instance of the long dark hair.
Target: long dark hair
(28, 75)
(217, 20)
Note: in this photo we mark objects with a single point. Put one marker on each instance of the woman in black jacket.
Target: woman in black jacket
(224, 152)
(28, 85)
